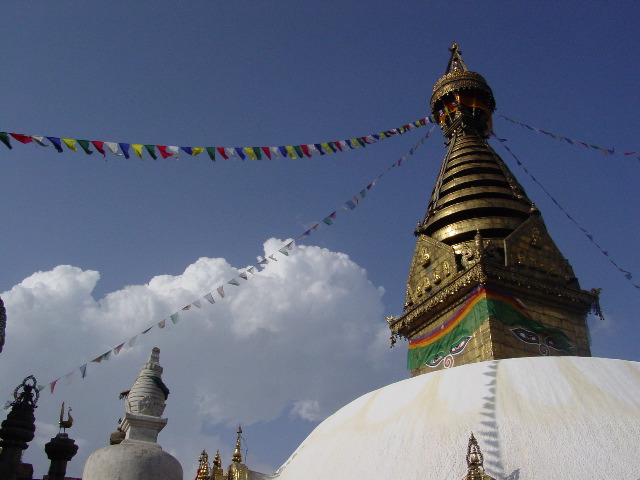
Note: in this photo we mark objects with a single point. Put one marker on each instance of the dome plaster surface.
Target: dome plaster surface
(132, 460)
(534, 418)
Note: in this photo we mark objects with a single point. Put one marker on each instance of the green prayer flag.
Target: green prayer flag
(258, 152)
(85, 146)
(175, 318)
(233, 282)
(152, 151)
(212, 153)
(361, 142)
(332, 147)
(299, 151)
(4, 138)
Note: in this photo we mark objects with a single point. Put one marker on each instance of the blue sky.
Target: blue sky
(280, 73)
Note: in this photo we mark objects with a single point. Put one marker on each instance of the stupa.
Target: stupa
(138, 456)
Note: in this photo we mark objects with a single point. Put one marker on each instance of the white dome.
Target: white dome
(132, 460)
(534, 418)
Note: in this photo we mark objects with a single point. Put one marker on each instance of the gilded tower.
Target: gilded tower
(486, 280)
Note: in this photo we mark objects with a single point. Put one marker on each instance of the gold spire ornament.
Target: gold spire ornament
(203, 467)
(475, 462)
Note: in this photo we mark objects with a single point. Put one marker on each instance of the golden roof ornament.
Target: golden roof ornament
(475, 462)
(203, 468)
(237, 454)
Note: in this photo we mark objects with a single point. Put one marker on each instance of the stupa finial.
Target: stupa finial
(475, 462)
(456, 64)
(237, 454)
(203, 467)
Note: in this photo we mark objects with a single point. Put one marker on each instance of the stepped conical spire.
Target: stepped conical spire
(475, 189)
(486, 280)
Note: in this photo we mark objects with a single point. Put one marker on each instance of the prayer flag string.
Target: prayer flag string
(606, 151)
(219, 292)
(214, 153)
(626, 273)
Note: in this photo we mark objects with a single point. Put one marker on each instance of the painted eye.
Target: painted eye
(460, 345)
(526, 336)
(553, 343)
(436, 361)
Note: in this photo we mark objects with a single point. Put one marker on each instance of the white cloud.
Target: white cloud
(307, 410)
(305, 335)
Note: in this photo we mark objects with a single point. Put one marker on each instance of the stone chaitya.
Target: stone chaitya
(486, 280)
(138, 456)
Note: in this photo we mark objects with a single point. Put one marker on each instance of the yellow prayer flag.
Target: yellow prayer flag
(138, 149)
(250, 152)
(355, 143)
(197, 151)
(326, 147)
(291, 151)
(71, 143)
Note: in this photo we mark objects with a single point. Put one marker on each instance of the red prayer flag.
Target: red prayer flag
(337, 144)
(266, 151)
(99, 146)
(305, 150)
(222, 152)
(21, 138)
(163, 151)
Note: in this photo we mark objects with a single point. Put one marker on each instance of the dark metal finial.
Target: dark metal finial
(29, 395)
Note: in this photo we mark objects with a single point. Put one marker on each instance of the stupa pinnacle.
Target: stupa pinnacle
(486, 280)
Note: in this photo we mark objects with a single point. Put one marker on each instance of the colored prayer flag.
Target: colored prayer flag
(290, 151)
(267, 152)
(175, 318)
(84, 144)
(83, 370)
(233, 281)
(4, 138)
(187, 150)
(137, 148)
(319, 148)
(250, 152)
(220, 290)
(240, 153)
(161, 324)
(305, 150)
(163, 151)
(212, 153)
(195, 151)
(222, 152)
(257, 152)
(118, 348)
(21, 138)
(125, 149)
(152, 151)
(71, 143)
(113, 147)
(99, 147)
(209, 298)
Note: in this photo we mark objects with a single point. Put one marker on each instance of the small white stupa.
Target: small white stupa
(138, 456)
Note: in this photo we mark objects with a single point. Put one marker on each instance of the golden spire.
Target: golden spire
(217, 473)
(456, 64)
(203, 467)
(237, 454)
(475, 461)
(217, 461)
